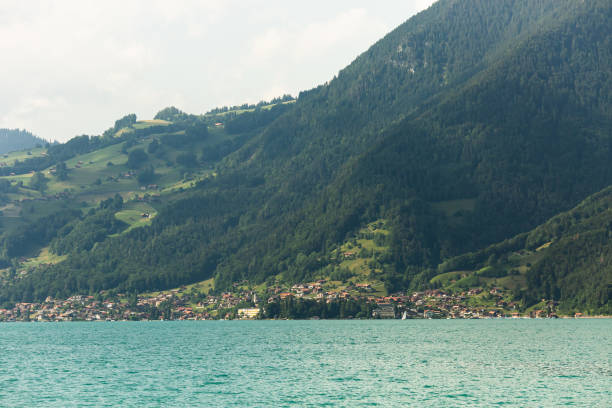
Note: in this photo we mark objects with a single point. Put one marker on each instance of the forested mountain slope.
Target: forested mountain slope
(471, 122)
(566, 259)
(524, 139)
(16, 139)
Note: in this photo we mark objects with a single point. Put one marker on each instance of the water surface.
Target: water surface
(449, 363)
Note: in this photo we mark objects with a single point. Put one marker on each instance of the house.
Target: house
(248, 313)
(365, 287)
(384, 311)
(349, 255)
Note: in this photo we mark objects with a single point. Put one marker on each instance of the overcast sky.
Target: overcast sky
(73, 67)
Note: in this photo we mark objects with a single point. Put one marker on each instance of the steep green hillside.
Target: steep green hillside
(95, 188)
(468, 124)
(567, 259)
(519, 142)
(86, 179)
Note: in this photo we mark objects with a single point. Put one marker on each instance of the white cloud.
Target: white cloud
(317, 38)
(269, 44)
(347, 27)
(74, 66)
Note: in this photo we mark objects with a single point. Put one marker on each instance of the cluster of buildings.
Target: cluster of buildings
(90, 308)
(74, 308)
(184, 304)
(315, 290)
(472, 304)
(177, 304)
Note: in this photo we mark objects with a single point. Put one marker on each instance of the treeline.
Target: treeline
(66, 230)
(194, 132)
(19, 139)
(258, 118)
(81, 234)
(61, 152)
(291, 308)
(577, 272)
(245, 106)
(19, 241)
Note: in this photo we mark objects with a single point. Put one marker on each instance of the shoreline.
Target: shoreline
(600, 317)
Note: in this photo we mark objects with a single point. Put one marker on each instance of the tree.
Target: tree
(39, 182)
(137, 158)
(147, 175)
(126, 121)
(188, 159)
(61, 171)
(197, 131)
(153, 146)
(169, 113)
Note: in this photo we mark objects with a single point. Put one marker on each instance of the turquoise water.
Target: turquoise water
(422, 363)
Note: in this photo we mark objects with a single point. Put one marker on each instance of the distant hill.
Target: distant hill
(16, 139)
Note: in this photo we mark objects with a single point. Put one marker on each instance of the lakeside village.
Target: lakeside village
(301, 301)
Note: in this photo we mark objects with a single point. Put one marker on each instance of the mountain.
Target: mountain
(16, 139)
(470, 123)
(567, 258)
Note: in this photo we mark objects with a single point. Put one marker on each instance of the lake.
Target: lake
(422, 363)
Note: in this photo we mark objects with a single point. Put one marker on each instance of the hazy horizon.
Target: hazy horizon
(74, 67)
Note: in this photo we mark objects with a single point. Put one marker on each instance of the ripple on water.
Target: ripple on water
(307, 363)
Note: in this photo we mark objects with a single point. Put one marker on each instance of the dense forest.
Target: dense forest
(17, 139)
(573, 256)
(472, 122)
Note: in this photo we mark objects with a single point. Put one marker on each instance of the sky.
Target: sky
(73, 67)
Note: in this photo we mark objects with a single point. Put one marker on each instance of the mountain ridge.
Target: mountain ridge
(458, 143)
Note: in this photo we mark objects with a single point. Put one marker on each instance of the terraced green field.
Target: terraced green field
(99, 175)
(136, 215)
(9, 159)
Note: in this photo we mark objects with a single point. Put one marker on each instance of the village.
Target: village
(190, 304)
